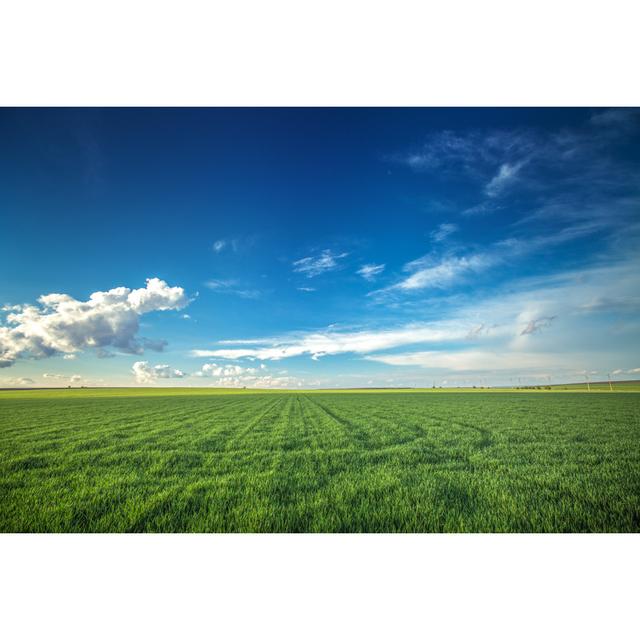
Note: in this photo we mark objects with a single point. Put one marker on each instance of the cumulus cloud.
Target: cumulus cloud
(370, 271)
(61, 376)
(146, 373)
(216, 371)
(63, 325)
(153, 345)
(156, 296)
(219, 245)
(237, 376)
(313, 266)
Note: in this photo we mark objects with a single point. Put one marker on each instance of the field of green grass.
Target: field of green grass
(173, 460)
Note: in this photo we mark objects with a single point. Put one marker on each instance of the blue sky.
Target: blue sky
(319, 247)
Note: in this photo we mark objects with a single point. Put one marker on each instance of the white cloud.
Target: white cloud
(69, 356)
(233, 244)
(432, 272)
(320, 344)
(506, 174)
(497, 333)
(216, 371)
(443, 231)
(64, 325)
(219, 284)
(470, 360)
(156, 296)
(237, 376)
(146, 373)
(429, 274)
(482, 209)
(471, 152)
(75, 378)
(572, 157)
(232, 287)
(370, 271)
(306, 289)
(16, 382)
(621, 119)
(313, 266)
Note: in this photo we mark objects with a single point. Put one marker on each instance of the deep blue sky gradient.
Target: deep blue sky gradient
(92, 199)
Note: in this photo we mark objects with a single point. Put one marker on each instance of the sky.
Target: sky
(305, 248)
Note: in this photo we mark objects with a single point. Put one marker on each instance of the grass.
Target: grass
(175, 460)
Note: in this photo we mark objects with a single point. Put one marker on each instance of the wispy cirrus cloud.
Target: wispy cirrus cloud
(545, 162)
(235, 244)
(483, 208)
(474, 153)
(443, 231)
(331, 342)
(315, 265)
(506, 175)
(474, 360)
(370, 271)
(435, 271)
(616, 119)
(233, 287)
(535, 324)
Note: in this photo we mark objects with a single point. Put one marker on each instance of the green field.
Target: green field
(172, 460)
